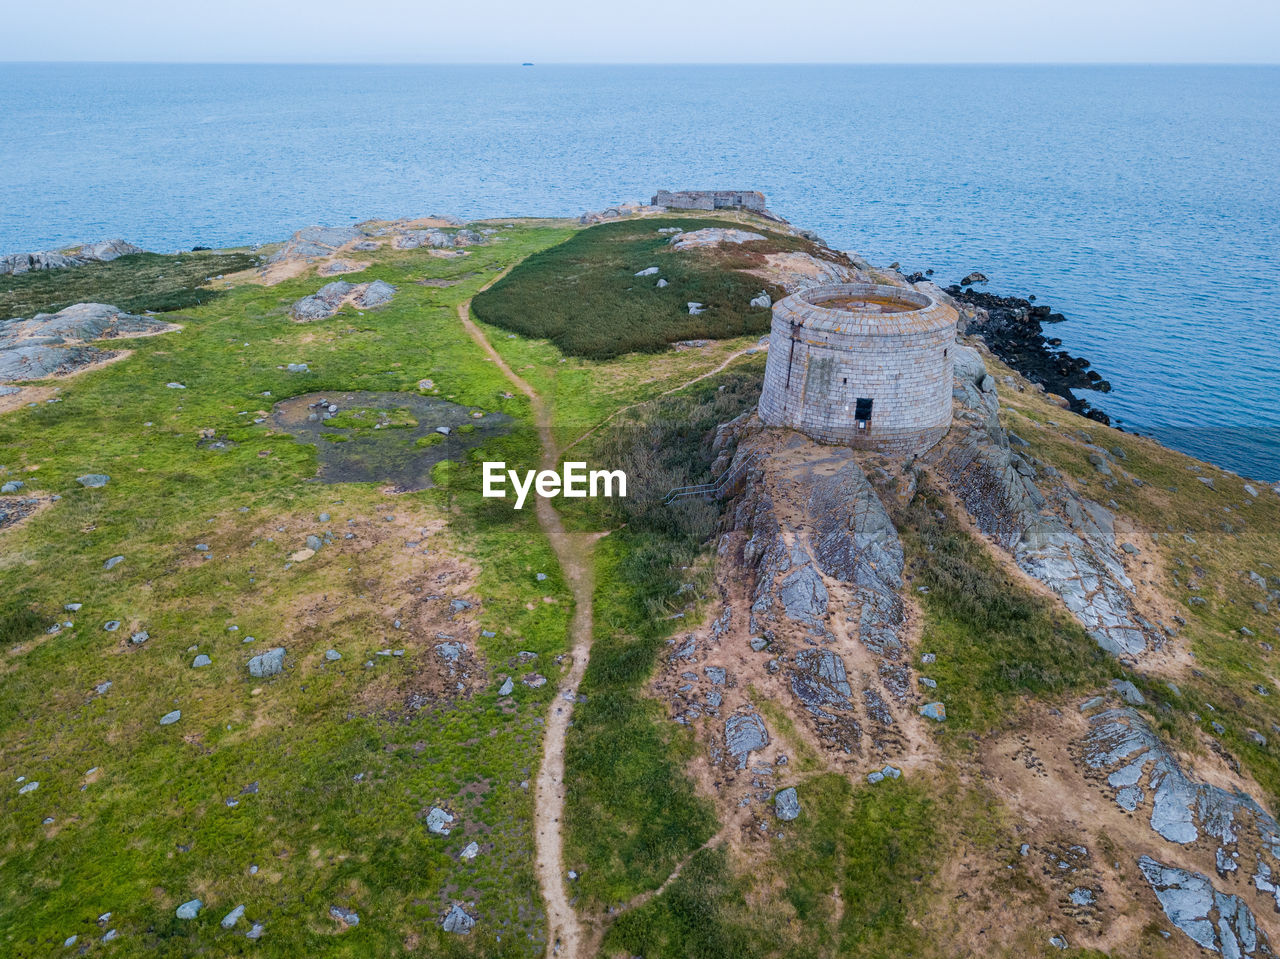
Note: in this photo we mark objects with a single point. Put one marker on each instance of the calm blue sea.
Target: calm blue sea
(1143, 202)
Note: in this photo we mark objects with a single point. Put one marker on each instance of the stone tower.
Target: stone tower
(861, 365)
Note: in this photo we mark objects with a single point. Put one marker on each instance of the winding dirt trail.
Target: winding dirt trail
(565, 936)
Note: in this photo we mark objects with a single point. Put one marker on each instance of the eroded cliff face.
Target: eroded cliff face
(814, 646)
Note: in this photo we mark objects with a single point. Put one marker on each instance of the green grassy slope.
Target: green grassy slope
(584, 296)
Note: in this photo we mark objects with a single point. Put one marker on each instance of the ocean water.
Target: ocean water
(1142, 202)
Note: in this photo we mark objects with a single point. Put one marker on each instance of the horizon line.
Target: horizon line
(649, 63)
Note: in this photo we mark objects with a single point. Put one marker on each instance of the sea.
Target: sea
(1143, 202)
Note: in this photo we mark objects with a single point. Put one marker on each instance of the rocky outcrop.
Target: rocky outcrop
(616, 212)
(1058, 537)
(62, 259)
(315, 241)
(712, 236)
(797, 271)
(1142, 773)
(329, 299)
(436, 239)
(1217, 921)
(825, 566)
(50, 344)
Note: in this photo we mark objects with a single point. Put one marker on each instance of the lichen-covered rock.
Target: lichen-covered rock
(713, 236)
(377, 293)
(54, 344)
(324, 302)
(267, 664)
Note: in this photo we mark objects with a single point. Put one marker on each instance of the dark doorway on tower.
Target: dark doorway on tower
(862, 413)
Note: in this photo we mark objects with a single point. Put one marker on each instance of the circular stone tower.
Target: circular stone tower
(861, 365)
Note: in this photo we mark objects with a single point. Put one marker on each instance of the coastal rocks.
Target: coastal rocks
(1215, 920)
(713, 236)
(1056, 536)
(1012, 328)
(267, 664)
(315, 241)
(55, 344)
(101, 252)
(974, 277)
(331, 297)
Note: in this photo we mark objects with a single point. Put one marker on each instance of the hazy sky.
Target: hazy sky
(656, 31)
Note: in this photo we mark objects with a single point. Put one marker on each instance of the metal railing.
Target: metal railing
(731, 477)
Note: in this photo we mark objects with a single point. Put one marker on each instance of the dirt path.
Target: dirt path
(565, 936)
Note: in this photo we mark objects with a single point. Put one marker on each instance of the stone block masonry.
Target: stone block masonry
(710, 200)
(861, 365)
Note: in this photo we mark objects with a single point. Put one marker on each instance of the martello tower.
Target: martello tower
(861, 365)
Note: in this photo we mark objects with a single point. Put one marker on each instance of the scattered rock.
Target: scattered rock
(786, 804)
(438, 821)
(267, 664)
(113, 562)
(201, 660)
(168, 719)
(332, 655)
(470, 852)
(348, 917)
(231, 918)
(1128, 692)
(744, 732)
(936, 711)
(190, 909)
(457, 920)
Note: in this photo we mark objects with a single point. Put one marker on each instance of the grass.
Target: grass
(872, 851)
(345, 757)
(134, 283)
(993, 639)
(631, 813)
(584, 296)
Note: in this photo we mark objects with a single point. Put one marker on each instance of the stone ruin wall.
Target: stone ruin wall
(710, 200)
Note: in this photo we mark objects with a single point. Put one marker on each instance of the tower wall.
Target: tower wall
(822, 360)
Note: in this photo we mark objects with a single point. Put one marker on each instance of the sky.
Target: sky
(656, 31)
